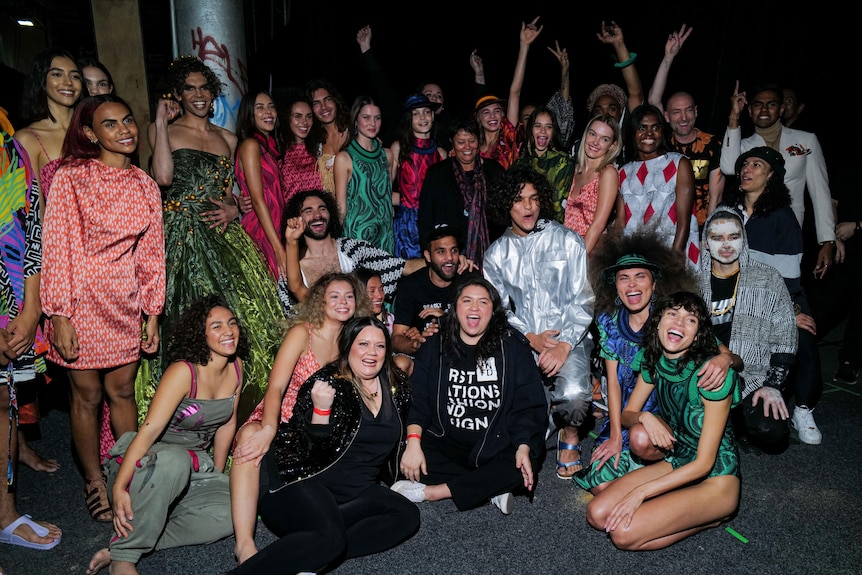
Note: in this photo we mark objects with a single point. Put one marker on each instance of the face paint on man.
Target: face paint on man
(724, 240)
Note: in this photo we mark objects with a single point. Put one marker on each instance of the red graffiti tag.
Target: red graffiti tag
(209, 50)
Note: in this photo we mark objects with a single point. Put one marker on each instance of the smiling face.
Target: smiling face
(677, 331)
(376, 294)
(490, 117)
(367, 353)
(635, 287)
(466, 146)
(339, 301)
(368, 121)
(97, 81)
(648, 135)
(599, 140)
(474, 310)
(63, 83)
(543, 132)
(422, 120)
(301, 118)
(765, 108)
(323, 106)
(116, 131)
(316, 216)
(434, 93)
(724, 241)
(525, 210)
(196, 96)
(680, 115)
(442, 258)
(222, 332)
(265, 114)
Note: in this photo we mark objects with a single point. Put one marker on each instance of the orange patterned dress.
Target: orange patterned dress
(306, 365)
(581, 209)
(103, 262)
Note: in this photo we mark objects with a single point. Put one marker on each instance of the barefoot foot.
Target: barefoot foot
(122, 568)
(34, 461)
(99, 561)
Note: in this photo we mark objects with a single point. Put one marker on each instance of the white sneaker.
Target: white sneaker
(803, 421)
(412, 490)
(505, 503)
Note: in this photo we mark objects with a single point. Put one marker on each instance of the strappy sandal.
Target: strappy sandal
(564, 446)
(96, 498)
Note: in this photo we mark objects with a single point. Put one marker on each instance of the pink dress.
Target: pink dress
(103, 262)
(272, 195)
(306, 365)
(299, 171)
(581, 209)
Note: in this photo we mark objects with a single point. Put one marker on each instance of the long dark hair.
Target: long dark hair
(245, 125)
(498, 327)
(775, 195)
(34, 101)
(317, 135)
(530, 141)
(76, 144)
(189, 340)
(702, 348)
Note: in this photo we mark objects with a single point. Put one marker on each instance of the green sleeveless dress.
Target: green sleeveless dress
(202, 261)
(370, 214)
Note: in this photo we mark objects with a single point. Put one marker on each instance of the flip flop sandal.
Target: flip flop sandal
(563, 446)
(8, 535)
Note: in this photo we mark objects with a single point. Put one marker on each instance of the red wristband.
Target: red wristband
(416, 435)
(322, 412)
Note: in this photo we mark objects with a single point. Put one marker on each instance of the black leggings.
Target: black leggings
(315, 531)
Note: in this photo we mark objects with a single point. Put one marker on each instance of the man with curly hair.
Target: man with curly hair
(540, 269)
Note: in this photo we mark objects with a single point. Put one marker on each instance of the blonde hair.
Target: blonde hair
(612, 154)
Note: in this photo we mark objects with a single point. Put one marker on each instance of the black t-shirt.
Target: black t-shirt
(722, 304)
(415, 293)
(474, 393)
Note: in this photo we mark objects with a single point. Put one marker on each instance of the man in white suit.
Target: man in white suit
(803, 160)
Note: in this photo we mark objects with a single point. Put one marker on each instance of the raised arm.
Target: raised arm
(561, 102)
(672, 46)
(612, 34)
(529, 32)
(162, 162)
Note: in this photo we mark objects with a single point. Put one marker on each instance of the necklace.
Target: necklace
(366, 394)
(732, 302)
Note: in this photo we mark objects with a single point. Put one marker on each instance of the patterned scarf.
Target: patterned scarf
(474, 194)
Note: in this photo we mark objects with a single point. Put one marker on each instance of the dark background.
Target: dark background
(415, 42)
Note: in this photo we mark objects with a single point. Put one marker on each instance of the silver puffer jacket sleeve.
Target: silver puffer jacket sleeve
(542, 279)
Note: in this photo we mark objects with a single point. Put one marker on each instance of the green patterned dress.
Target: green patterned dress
(370, 214)
(681, 406)
(201, 261)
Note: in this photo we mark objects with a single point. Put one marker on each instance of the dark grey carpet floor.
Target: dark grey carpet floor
(800, 513)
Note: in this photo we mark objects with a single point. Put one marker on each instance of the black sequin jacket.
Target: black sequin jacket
(303, 450)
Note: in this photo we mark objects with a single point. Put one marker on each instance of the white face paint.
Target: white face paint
(724, 240)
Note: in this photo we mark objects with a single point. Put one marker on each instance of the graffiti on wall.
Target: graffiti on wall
(217, 55)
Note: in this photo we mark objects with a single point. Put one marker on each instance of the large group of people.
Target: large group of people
(322, 320)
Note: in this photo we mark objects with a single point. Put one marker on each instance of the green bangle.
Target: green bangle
(632, 57)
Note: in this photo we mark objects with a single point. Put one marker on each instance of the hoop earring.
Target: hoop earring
(618, 302)
(652, 298)
(212, 109)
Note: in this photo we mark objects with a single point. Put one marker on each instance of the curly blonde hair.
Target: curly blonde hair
(310, 310)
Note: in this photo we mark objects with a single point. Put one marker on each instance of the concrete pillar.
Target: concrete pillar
(120, 47)
(215, 32)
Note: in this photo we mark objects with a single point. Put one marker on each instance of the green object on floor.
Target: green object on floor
(736, 534)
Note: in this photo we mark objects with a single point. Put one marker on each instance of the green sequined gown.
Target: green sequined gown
(201, 261)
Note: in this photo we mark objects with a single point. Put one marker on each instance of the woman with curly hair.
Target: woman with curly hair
(480, 371)
(775, 239)
(628, 274)
(696, 485)
(311, 341)
(207, 249)
(167, 480)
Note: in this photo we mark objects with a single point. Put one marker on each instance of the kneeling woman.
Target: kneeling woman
(696, 486)
(479, 414)
(320, 481)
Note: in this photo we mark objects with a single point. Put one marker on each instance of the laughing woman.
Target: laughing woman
(697, 484)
